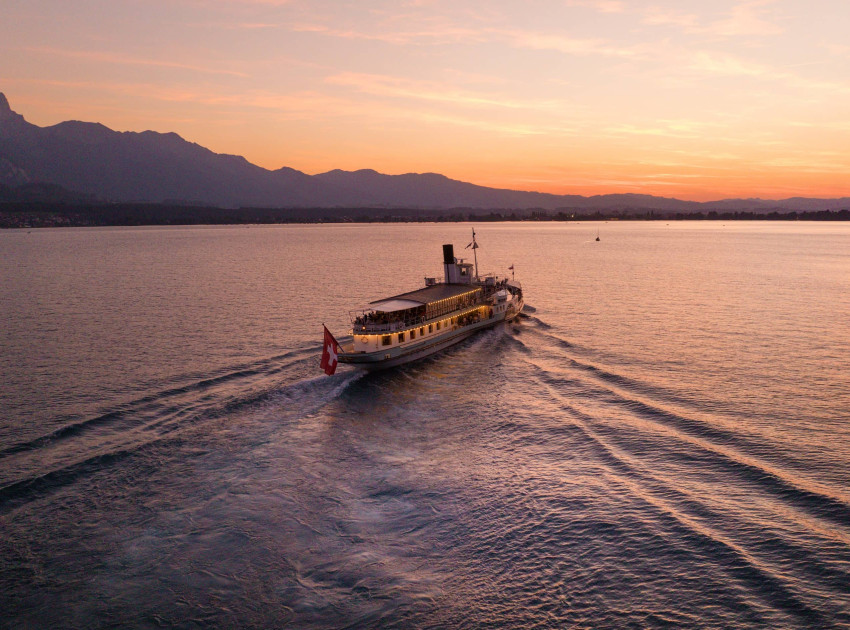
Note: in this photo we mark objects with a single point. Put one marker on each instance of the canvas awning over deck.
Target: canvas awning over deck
(420, 297)
(393, 305)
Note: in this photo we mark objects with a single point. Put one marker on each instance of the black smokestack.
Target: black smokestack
(448, 254)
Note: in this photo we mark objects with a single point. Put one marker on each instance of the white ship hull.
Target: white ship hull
(412, 351)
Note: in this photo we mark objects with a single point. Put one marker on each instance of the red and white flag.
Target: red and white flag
(330, 352)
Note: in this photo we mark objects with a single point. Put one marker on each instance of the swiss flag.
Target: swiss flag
(330, 350)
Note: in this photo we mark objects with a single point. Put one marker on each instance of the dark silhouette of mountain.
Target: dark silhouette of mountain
(93, 160)
(429, 190)
(42, 193)
(147, 166)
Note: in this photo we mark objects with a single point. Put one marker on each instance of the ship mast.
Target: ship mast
(474, 253)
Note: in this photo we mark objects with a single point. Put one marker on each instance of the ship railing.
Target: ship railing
(366, 325)
(372, 322)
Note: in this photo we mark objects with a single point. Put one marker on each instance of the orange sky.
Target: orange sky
(690, 99)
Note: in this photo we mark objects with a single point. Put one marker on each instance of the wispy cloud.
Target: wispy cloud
(490, 126)
(841, 126)
(729, 65)
(723, 64)
(397, 87)
(447, 33)
(443, 35)
(273, 3)
(539, 40)
(749, 18)
(603, 6)
(119, 59)
(657, 16)
(664, 128)
(838, 50)
(301, 104)
(251, 26)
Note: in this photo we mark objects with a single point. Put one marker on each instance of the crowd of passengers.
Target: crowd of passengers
(378, 317)
(406, 317)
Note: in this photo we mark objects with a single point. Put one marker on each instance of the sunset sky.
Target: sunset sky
(694, 99)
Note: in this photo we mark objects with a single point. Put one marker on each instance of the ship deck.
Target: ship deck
(428, 295)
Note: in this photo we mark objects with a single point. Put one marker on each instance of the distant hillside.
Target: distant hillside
(42, 193)
(93, 161)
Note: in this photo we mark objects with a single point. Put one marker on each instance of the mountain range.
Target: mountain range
(90, 161)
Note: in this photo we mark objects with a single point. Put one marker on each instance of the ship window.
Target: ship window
(413, 333)
(422, 331)
(387, 340)
(431, 328)
(400, 337)
(438, 325)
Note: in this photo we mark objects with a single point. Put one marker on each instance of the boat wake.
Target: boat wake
(648, 423)
(79, 447)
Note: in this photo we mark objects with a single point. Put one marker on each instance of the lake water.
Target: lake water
(663, 442)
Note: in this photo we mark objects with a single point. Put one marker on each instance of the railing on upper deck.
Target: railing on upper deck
(365, 321)
(374, 322)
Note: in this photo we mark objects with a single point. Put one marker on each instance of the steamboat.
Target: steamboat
(416, 324)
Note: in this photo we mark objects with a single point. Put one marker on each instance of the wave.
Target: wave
(626, 387)
(701, 525)
(79, 449)
(20, 492)
(150, 403)
(539, 322)
(715, 447)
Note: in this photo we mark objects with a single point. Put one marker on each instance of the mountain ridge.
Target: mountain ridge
(95, 161)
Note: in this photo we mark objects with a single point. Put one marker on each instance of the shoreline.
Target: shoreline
(36, 215)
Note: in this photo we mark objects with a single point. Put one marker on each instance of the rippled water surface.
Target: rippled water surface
(663, 442)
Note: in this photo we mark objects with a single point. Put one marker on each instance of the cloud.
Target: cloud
(748, 18)
(723, 64)
(119, 59)
(664, 128)
(603, 6)
(256, 25)
(729, 65)
(834, 125)
(536, 40)
(838, 50)
(436, 36)
(395, 87)
(446, 33)
(490, 126)
(272, 3)
(303, 104)
(655, 16)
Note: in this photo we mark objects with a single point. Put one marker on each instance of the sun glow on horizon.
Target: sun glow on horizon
(686, 99)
